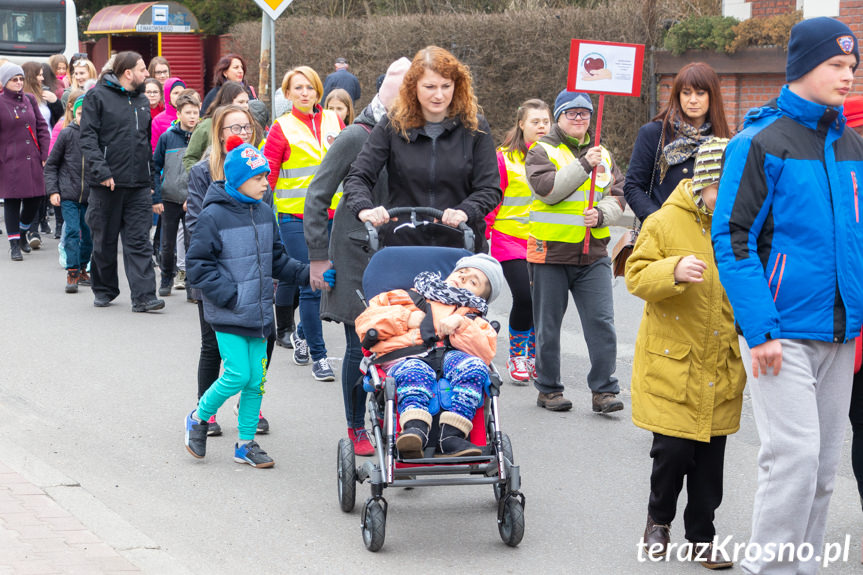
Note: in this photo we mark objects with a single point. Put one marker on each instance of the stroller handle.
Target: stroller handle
(374, 240)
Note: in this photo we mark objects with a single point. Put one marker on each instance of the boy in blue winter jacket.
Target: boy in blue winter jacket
(788, 242)
(234, 255)
(171, 182)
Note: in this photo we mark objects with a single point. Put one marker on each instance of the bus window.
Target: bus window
(42, 28)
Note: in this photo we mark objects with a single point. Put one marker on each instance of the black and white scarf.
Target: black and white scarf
(689, 138)
(432, 287)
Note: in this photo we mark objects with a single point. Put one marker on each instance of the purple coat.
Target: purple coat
(20, 157)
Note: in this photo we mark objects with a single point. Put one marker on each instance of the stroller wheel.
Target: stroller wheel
(347, 475)
(374, 526)
(500, 488)
(511, 525)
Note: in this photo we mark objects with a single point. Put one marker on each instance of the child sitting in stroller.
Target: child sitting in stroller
(406, 330)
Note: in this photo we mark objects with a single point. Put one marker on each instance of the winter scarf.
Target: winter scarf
(689, 138)
(432, 287)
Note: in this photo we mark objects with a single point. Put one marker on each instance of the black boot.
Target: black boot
(15, 250)
(453, 443)
(284, 325)
(23, 244)
(413, 439)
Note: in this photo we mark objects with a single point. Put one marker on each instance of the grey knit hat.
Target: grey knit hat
(488, 266)
(9, 71)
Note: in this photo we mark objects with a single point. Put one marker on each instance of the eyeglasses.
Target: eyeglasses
(152, 92)
(17, 79)
(239, 128)
(161, 72)
(576, 115)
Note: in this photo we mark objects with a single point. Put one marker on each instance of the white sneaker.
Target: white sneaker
(519, 372)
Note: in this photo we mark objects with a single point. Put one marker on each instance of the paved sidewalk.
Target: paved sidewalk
(38, 536)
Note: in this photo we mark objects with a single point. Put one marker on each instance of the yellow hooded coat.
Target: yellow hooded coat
(687, 377)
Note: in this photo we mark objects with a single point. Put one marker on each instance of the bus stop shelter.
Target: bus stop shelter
(166, 29)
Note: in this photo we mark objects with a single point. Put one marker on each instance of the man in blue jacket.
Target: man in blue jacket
(789, 242)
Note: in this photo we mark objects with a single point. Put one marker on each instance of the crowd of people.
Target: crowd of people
(240, 202)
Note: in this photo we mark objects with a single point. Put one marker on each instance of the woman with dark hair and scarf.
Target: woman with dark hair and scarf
(664, 151)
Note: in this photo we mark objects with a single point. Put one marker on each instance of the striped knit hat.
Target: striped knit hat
(708, 163)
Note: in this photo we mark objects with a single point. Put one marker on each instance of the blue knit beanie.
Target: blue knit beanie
(242, 162)
(815, 40)
(567, 100)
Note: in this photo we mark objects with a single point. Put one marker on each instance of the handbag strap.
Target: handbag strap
(636, 225)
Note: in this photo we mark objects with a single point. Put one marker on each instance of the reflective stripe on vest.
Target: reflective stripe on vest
(512, 217)
(296, 174)
(564, 221)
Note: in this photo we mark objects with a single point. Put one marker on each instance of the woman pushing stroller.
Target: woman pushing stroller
(437, 309)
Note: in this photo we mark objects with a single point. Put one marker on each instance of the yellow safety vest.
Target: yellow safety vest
(564, 221)
(512, 217)
(296, 174)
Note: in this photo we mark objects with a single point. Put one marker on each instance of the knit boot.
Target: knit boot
(284, 325)
(415, 433)
(453, 436)
(72, 277)
(15, 250)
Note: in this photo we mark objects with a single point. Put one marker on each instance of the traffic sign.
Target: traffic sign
(273, 8)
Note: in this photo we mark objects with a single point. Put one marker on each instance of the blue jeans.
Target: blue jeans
(353, 394)
(76, 240)
(309, 328)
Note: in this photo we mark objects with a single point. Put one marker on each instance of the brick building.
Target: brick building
(751, 77)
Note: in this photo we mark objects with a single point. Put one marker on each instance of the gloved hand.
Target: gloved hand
(330, 277)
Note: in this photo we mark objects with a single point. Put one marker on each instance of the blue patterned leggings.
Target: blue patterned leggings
(415, 382)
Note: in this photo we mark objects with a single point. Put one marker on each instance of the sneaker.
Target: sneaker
(252, 454)
(360, 438)
(35, 240)
(165, 286)
(322, 371)
(150, 305)
(180, 280)
(531, 367)
(263, 424)
(213, 428)
(301, 349)
(44, 227)
(519, 373)
(554, 401)
(84, 278)
(196, 436)
(606, 402)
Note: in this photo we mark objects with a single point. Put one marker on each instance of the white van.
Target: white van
(33, 30)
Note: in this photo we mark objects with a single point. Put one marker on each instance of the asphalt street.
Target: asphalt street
(92, 403)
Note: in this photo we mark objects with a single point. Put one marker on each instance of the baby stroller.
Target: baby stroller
(395, 268)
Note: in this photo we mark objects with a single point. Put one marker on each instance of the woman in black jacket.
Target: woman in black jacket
(664, 151)
(437, 150)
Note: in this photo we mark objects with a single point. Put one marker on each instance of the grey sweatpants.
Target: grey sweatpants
(590, 287)
(801, 415)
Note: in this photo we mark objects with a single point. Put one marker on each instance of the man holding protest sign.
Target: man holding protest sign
(559, 169)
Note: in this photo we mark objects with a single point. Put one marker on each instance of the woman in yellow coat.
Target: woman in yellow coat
(687, 377)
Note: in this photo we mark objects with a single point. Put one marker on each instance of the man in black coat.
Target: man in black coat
(115, 141)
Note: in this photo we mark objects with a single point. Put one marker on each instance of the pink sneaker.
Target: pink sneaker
(517, 367)
(362, 446)
(213, 428)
